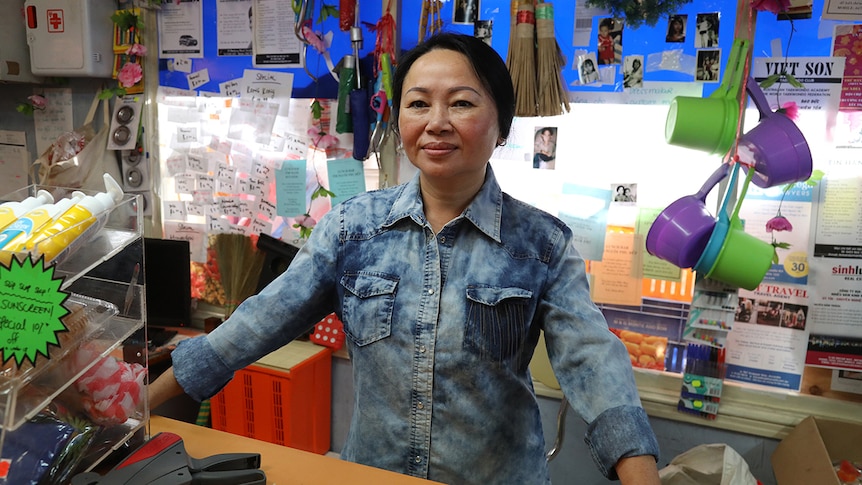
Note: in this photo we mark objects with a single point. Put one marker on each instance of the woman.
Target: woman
(443, 285)
(675, 29)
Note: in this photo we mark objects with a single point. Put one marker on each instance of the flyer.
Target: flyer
(769, 340)
(275, 41)
(180, 29)
(235, 27)
(821, 78)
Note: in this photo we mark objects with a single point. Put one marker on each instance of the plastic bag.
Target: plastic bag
(78, 159)
(710, 464)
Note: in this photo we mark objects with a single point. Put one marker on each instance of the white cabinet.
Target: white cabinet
(83, 399)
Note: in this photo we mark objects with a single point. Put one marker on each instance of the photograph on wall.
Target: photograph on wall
(706, 30)
(545, 147)
(625, 193)
(676, 28)
(465, 12)
(609, 41)
(633, 72)
(587, 72)
(482, 29)
(708, 65)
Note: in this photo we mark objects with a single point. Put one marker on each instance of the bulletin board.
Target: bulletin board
(225, 68)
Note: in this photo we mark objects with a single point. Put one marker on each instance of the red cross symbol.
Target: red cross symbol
(55, 20)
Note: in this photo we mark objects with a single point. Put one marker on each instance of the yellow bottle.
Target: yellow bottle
(58, 239)
(13, 237)
(9, 211)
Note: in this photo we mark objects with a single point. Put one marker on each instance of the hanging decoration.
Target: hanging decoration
(522, 62)
(638, 12)
(384, 43)
(429, 19)
(553, 98)
(128, 54)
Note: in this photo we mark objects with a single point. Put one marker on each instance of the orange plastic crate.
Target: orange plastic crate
(284, 398)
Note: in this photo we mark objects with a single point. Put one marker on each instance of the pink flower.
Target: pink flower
(130, 74)
(790, 109)
(137, 50)
(314, 39)
(38, 102)
(774, 6)
(305, 221)
(321, 139)
(778, 223)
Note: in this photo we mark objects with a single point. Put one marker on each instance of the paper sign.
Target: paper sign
(32, 305)
(617, 278)
(182, 65)
(198, 79)
(271, 86)
(290, 188)
(232, 88)
(346, 178)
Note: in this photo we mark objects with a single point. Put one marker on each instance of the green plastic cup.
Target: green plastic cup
(709, 124)
(743, 259)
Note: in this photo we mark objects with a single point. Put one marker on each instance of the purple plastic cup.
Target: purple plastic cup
(776, 146)
(681, 231)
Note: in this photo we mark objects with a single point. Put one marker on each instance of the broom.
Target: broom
(522, 61)
(240, 264)
(553, 97)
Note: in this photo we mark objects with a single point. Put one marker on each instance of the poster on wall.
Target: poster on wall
(836, 308)
(275, 41)
(180, 29)
(235, 27)
(769, 339)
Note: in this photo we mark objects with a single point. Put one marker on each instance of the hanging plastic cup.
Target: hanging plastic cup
(776, 146)
(719, 232)
(709, 124)
(733, 256)
(681, 231)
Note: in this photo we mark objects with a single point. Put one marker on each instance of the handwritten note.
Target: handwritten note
(268, 86)
(55, 119)
(198, 78)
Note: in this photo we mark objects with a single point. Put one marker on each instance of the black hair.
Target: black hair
(489, 67)
(607, 22)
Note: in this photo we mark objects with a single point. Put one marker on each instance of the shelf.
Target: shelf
(106, 301)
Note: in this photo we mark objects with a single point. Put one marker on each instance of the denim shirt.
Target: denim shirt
(440, 330)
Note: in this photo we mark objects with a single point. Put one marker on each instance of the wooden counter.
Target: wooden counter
(282, 465)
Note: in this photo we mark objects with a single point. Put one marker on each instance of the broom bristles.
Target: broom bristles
(240, 265)
(553, 96)
(522, 66)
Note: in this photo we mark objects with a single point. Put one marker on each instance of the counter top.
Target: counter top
(282, 465)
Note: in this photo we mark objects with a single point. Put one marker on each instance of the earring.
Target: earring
(501, 142)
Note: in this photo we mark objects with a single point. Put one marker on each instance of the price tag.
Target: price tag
(31, 306)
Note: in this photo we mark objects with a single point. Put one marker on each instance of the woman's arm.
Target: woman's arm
(639, 470)
(163, 388)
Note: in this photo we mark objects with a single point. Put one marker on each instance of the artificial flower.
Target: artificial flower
(321, 139)
(778, 223)
(790, 109)
(38, 102)
(774, 6)
(137, 50)
(305, 223)
(130, 74)
(314, 39)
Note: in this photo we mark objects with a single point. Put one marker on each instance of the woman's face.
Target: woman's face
(447, 120)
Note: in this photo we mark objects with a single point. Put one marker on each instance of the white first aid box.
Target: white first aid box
(70, 37)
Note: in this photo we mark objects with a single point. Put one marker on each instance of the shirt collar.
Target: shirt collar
(485, 210)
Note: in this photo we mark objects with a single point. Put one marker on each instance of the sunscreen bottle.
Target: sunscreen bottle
(12, 238)
(9, 211)
(77, 224)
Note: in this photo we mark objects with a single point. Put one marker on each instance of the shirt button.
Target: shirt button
(418, 459)
(421, 349)
(420, 405)
(442, 239)
(430, 291)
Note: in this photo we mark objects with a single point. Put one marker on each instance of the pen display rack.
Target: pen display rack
(69, 397)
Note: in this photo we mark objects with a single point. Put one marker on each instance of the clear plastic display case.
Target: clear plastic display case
(66, 411)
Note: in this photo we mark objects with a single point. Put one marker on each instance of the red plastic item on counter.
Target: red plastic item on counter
(329, 332)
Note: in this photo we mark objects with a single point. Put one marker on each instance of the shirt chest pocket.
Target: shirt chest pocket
(367, 307)
(497, 321)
